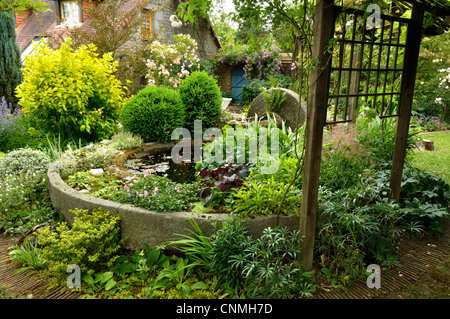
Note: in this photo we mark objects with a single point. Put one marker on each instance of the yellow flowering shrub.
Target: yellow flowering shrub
(91, 242)
(72, 91)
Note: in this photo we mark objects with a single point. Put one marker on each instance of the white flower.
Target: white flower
(177, 24)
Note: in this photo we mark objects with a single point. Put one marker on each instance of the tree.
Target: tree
(294, 17)
(9, 6)
(193, 10)
(10, 63)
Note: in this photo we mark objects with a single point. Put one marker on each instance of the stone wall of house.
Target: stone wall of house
(207, 44)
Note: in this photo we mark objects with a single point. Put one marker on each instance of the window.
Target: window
(146, 24)
(70, 12)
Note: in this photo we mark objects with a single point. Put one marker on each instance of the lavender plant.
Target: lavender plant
(9, 120)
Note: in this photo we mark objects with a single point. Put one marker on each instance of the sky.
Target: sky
(228, 6)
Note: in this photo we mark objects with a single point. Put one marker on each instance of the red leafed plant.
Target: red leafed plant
(224, 178)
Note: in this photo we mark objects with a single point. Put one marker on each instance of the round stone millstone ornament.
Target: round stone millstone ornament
(288, 110)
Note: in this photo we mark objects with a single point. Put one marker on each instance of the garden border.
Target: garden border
(139, 225)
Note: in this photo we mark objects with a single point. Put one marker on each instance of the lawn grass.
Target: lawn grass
(437, 161)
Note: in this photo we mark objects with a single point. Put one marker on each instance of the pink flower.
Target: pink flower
(145, 193)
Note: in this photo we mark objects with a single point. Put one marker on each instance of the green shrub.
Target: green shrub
(285, 173)
(90, 243)
(24, 202)
(24, 196)
(265, 197)
(230, 240)
(126, 140)
(265, 267)
(341, 170)
(251, 91)
(357, 227)
(24, 160)
(272, 268)
(201, 98)
(378, 137)
(72, 92)
(153, 113)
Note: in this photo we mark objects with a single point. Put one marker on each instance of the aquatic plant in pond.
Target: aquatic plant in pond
(162, 164)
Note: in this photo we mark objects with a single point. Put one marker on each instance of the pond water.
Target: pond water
(161, 164)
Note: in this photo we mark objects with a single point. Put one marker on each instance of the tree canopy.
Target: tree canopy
(19, 5)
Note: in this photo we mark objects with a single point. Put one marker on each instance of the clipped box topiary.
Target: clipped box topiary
(201, 98)
(153, 113)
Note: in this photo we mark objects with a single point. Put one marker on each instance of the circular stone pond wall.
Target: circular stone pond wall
(140, 225)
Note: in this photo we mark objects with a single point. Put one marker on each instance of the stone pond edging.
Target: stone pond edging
(140, 225)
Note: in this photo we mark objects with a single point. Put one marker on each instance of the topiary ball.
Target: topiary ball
(201, 98)
(153, 113)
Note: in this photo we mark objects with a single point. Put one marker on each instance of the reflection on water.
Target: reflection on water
(161, 164)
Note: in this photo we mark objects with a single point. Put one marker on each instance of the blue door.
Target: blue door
(238, 81)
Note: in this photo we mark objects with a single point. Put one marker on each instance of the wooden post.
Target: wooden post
(354, 85)
(316, 119)
(413, 39)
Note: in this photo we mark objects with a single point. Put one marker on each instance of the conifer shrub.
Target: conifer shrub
(10, 63)
(201, 98)
(153, 113)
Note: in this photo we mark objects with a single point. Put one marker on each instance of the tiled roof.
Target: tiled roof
(37, 24)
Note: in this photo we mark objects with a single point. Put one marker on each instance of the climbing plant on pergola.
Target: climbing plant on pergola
(336, 84)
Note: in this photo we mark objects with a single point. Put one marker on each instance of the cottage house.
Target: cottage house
(34, 27)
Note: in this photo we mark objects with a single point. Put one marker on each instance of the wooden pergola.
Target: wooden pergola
(322, 95)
